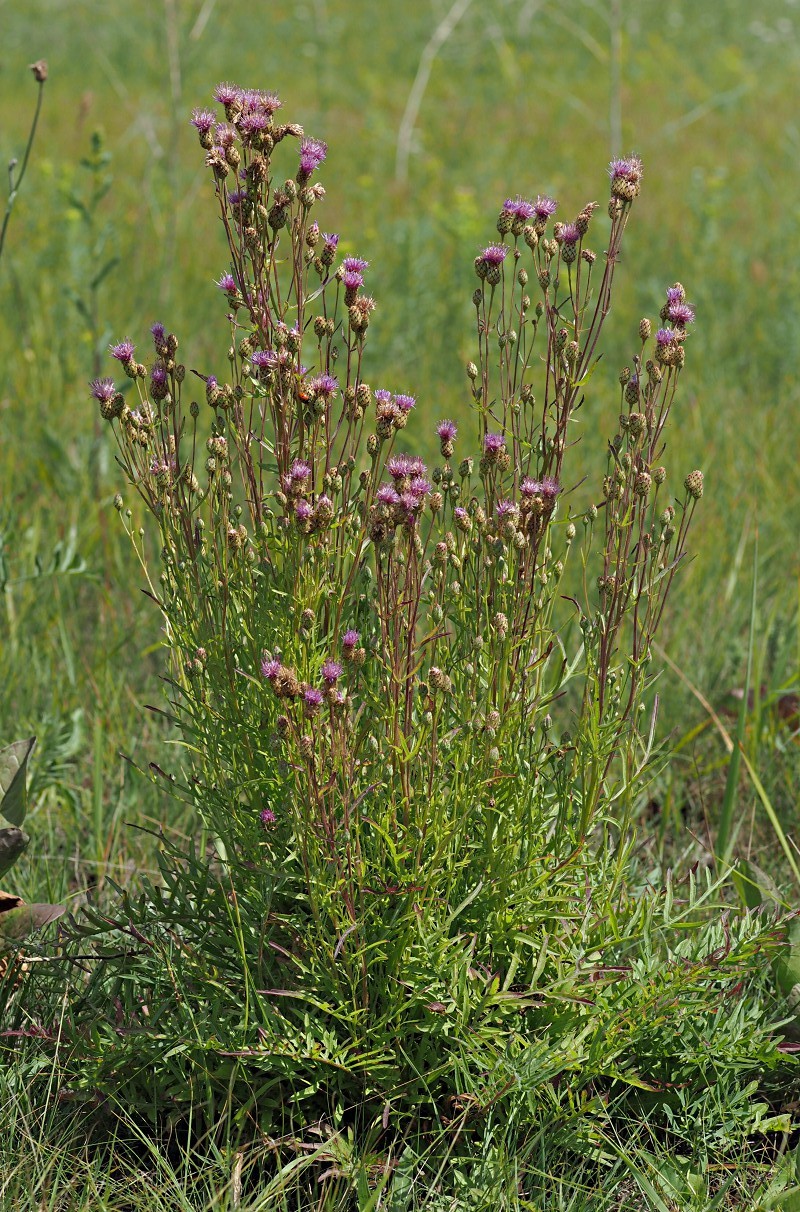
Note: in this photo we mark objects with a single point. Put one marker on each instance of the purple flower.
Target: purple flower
(351, 639)
(325, 386)
(303, 511)
(417, 466)
(387, 495)
(211, 383)
(628, 169)
(447, 431)
(419, 486)
(382, 396)
(570, 233)
(494, 254)
(530, 488)
(330, 239)
(159, 334)
(237, 196)
(270, 669)
(493, 443)
(312, 153)
(675, 294)
(264, 359)
(227, 283)
(331, 672)
(158, 378)
(352, 279)
(399, 466)
(354, 264)
(312, 698)
(103, 390)
(203, 120)
(549, 488)
(253, 122)
(405, 403)
(665, 336)
(123, 351)
(681, 314)
(460, 514)
(270, 102)
(227, 94)
(299, 471)
(267, 817)
(410, 502)
(505, 509)
(544, 206)
(224, 136)
(520, 207)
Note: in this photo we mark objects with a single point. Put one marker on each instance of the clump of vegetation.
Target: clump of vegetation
(416, 710)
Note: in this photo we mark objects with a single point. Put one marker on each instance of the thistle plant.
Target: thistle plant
(409, 696)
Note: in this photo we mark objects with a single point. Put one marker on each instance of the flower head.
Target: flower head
(676, 294)
(549, 488)
(352, 279)
(494, 254)
(324, 386)
(312, 700)
(570, 233)
(264, 359)
(351, 639)
(331, 240)
(270, 669)
(665, 336)
(354, 264)
(227, 94)
(405, 403)
(544, 206)
(331, 672)
(299, 471)
(267, 817)
(312, 153)
(123, 351)
(224, 136)
(159, 334)
(227, 282)
(681, 314)
(303, 511)
(520, 207)
(399, 466)
(493, 443)
(202, 120)
(103, 390)
(382, 396)
(627, 169)
(387, 495)
(447, 431)
(253, 123)
(505, 509)
(419, 487)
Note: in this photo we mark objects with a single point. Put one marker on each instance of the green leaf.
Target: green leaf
(12, 844)
(19, 922)
(787, 964)
(13, 780)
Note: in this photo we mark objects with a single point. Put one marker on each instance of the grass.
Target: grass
(514, 89)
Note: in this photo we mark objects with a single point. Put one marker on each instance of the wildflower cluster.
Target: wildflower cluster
(384, 642)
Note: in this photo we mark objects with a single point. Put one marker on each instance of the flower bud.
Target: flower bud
(694, 484)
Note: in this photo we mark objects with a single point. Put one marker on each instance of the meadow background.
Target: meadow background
(114, 229)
